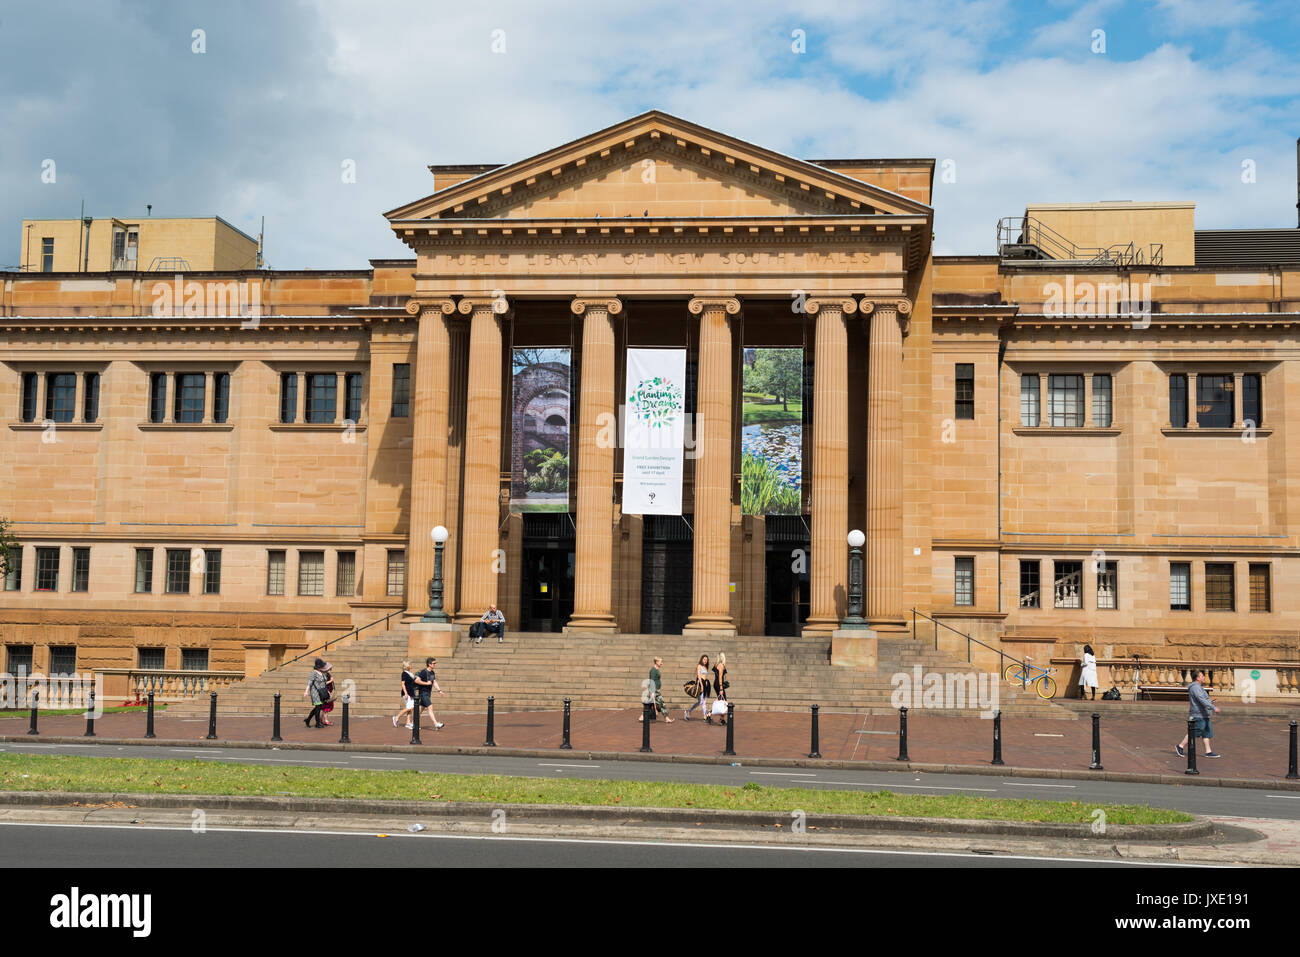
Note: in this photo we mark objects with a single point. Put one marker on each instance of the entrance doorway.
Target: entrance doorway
(667, 570)
(788, 580)
(548, 566)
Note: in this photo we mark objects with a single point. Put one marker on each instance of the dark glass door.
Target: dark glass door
(787, 579)
(667, 567)
(548, 589)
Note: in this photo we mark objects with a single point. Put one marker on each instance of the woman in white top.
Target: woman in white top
(1088, 675)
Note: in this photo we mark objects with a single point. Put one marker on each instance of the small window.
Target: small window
(1180, 586)
(288, 396)
(158, 397)
(47, 569)
(1252, 410)
(347, 574)
(1029, 399)
(18, 659)
(190, 395)
(144, 570)
(1178, 400)
(964, 581)
(47, 254)
(1219, 586)
(396, 573)
(221, 400)
(90, 403)
(311, 573)
(1107, 585)
(60, 396)
(1261, 590)
(1101, 401)
(178, 571)
(151, 659)
(212, 571)
(30, 387)
(1214, 401)
(81, 569)
(1065, 401)
(321, 397)
(194, 659)
(63, 659)
(401, 391)
(14, 576)
(1030, 593)
(965, 397)
(1067, 585)
(354, 396)
(275, 573)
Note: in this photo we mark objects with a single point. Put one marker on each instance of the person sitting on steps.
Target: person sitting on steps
(492, 622)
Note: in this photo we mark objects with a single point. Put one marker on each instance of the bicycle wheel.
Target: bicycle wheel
(1047, 687)
(1012, 674)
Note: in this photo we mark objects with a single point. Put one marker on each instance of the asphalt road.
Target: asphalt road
(1236, 802)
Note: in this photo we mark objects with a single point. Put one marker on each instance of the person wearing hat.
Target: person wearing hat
(317, 691)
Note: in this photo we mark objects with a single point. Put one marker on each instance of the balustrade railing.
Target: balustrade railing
(170, 684)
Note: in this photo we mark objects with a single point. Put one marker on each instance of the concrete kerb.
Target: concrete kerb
(1197, 829)
(1068, 774)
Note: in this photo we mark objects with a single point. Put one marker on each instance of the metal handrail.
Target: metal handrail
(325, 647)
(1002, 655)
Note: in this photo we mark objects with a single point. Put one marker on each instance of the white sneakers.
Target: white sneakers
(437, 726)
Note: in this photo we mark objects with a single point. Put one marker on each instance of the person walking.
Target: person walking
(316, 691)
(406, 695)
(720, 685)
(701, 690)
(1199, 706)
(427, 683)
(1088, 674)
(328, 704)
(656, 693)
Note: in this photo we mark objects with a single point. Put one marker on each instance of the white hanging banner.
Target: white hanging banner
(654, 422)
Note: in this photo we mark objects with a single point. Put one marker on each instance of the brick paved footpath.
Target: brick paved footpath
(1253, 746)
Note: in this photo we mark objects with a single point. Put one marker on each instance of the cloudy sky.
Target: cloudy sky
(1028, 99)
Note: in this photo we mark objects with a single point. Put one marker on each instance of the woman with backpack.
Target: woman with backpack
(317, 692)
(700, 690)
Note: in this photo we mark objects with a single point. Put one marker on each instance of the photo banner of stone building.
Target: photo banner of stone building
(771, 435)
(539, 460)
(653, 431)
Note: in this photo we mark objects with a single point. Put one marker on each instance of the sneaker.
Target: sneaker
(1213, 754)
(394, 721)
(410, 727)
(501, 641)
(437, 726)
(1179, 749)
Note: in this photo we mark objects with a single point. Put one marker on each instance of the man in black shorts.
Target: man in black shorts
(426, 683)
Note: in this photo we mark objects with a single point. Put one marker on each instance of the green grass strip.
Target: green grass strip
(25, 712)
(23, 772)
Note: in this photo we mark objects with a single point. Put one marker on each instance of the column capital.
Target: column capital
(845, 304)
(611, 304)
(498, 305)
(700, 303)
(901, 306)
(415, 306)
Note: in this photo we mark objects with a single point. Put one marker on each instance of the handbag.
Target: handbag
(692, 689)
(1112, 695)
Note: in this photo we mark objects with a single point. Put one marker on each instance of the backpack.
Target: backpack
(1111, 695)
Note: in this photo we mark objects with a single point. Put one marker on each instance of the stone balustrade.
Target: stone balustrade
(1277, 679)
(167, 684)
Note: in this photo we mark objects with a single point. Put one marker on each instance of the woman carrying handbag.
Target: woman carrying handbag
(720, 685)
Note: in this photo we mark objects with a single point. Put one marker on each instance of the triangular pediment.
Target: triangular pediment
(657, 166)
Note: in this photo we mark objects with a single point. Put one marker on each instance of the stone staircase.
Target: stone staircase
(536, 671)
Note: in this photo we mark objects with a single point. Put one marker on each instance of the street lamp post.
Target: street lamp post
(855, 621)
(435, 612)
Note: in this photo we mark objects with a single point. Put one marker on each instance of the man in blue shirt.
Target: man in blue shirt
(1199, 707)
(492, 622)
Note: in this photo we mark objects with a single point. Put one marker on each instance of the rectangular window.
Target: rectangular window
(221, 400)
(47, 569)
(151, 659)
(963, 586)
(18, 659)
(47, 254)
(29, 396)
(1180, 586)
(354, 396)
(178, 571)
(190, 395)
(288, 396)
(347, 574)
(1261, 590)
(1030, 593)
(90, 403)
(1220, 586)
(311, 573)
(321, 397)
(396, 573)
(275, 573)
(965, 398)
(1252, 409)
(1029, 399)
(1107, 585)
(14, 576)
(194, 659)
(63, 659)
(1067, 585)
(144, 570)
(158, 397)
(1065, 401)
(1178, 400)
(1101, 403)
(212, 571)
(401, 391)
(60, 396)
(1214, 401)
(81, 569)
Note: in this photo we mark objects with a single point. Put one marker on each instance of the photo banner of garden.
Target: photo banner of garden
(771, 435)
(539, 451)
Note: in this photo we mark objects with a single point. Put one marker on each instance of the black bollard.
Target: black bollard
(1191, 747)
(275, 720)
(491, 741)
(647, 715)
(415, 720)
(90, 717)
(1096, 743)
(902, 735)
(36, 697)
(564, 744)
(212, 718)
(816, 751)
(148, 719)
(997, 738)
(1292, 773)
(344, 739)
(731, 731)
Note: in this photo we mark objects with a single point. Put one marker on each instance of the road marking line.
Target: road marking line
(1040, 734)
(1286, 797)
(197, 750)
(540, 765)
(783, 774)
(375, 757)
(1018, 784)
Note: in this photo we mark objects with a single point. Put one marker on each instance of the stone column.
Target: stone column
(711, 597)
(1237, 422)
(459, 378)
(884, 579)
(1192, 401)
(830, 465)
(482, 493)
(594, 561)
(428, 446)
